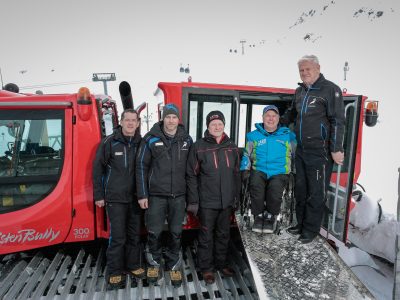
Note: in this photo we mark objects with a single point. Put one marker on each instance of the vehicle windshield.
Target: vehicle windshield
(31, 155)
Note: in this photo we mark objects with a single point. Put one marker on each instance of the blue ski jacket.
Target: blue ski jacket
(270, 153)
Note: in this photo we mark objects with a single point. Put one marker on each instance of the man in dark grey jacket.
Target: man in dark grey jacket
(161, 188)
(114, 187)
(318, 112)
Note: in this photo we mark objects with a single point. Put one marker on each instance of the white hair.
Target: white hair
(309, 58)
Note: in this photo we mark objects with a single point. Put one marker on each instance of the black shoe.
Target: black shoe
(258, 224)
(269, 225)
(295, 229)
(307, 238)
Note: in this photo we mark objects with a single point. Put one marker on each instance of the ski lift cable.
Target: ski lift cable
(53, 84)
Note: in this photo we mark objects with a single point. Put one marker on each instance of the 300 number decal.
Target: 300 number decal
(81, 233)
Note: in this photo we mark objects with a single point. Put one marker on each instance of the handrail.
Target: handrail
(237, 112)
(338, 183)
(335, 202)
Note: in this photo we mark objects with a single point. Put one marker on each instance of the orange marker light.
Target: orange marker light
(83, 93)
(372, 106)
(84, 104)
(371, 113)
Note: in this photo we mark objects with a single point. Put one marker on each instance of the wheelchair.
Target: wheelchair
(286, 216)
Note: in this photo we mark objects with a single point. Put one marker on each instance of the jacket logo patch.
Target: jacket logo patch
(118, 153)
(184, 146)
(337, 95)
(262, 142)
(313, 101)
(159, 144)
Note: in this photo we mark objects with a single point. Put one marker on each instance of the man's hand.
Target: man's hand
(144, 203)
(338, 157)
(99, 203)
(193, 208)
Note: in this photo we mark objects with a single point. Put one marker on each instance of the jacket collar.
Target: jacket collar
(316, 85)
(118, 135)
(209, 138)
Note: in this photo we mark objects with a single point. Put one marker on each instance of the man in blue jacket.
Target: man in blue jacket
(267, 161)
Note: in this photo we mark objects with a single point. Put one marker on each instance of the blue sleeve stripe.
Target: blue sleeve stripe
(153, 140)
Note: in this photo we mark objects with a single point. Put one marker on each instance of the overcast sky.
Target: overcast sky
(50, 41)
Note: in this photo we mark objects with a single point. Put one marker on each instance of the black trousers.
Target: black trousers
(313, 173)
(161, 208)
(266, 194)
(124, 251)
(214, 236)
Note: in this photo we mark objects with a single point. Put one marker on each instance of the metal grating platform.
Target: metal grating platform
(291, 270)
(75, 274)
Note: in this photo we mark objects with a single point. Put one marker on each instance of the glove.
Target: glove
(245, 175)
(193, 208)
(236, 204)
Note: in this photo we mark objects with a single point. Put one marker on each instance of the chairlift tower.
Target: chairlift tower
(346, 69)
(104, 77)
(242, 42)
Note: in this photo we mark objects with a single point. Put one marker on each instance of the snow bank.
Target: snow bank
(369, 235)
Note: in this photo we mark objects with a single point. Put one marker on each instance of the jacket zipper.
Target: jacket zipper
(106, 183)
(215, 160)
(125, 157)
(227, 159)
(151, 175)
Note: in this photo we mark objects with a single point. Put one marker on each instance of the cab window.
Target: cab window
(31, 156)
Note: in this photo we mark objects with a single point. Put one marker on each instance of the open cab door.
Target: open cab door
(339, 203)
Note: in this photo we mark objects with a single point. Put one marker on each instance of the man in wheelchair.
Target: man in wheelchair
(266, 163)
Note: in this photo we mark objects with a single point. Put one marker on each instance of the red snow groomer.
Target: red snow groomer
(47, 144)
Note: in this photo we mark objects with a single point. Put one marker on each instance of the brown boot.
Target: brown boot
(116, 282)
(227, 272)
(139, 273)
(153, 274)
(208, 277)
(176, 278)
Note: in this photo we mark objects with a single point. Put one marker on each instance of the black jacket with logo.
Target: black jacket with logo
(319, 114)
(161, 163)
(114, 168)
(213, 176)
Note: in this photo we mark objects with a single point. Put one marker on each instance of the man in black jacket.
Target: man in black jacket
(213, 179)
(161, 187)
(319, 113)
(114, 187)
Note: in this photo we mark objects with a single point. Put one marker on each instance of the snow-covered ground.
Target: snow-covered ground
(377, 275)
(373, 255)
